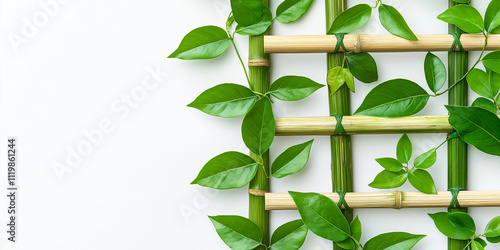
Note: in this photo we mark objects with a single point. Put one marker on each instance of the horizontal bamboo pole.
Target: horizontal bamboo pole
(325, 125)
(396, 199)
(375, 43)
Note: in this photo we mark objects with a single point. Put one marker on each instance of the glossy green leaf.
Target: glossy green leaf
(387, 179)
(247, 12)
(351, 19)
(227, 170)
(292, 10)
(202, 43)
(492, 61)
(479, 82)
(465, 17)
(321, 215)
(291, 160)
(346, 244)
(337, 77)
(457, 225)
(477, 127)
(493, 239)
(422, 181)
(476, 245)
(293, 88)
(425, 160)
(259, 27)
(390, 164)
(484, 103)
(225, 100)
(435, 72)
(289, 236)
(394, 98)
(497, 99)
(404, 149)
(237, 232)
(394, 22)
(481, 241)
(258, 127)
(362, 66)
(356, 228)
(393, 241)
(493, 228)
(492, 16)
(494, 80)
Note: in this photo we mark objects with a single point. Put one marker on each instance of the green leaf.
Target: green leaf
(435, 72)
(292, 10)
(393, 241)
(422, 181)
(481, 241)
(351, 19)
(247, 12)
(425, 160)
(362, 66)
(227, 170)
(321, 215)
(387, 179)
(289, 236)
(293, 88)
(258, 127)
(259, 27)
(404, 149)
(225, 100)
(493, 228)
(356, 228)
(349, 78)
(494, 79)
(484, 103)
(476, 245)
(202, 43)
(492, 61)
(492, 16)
(346, 244)
(292, 160)
(493, 239)
(336, 78)
(390, 164)
(477, 127)
(237, 232)
(457, 225)
(394, 98)
(479, 82)
(394, 22)
(465, 17)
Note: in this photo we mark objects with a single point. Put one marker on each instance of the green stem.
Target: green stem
(241, 61)
(259, 80)
(339, 103)
(465, 75)
(457, 149)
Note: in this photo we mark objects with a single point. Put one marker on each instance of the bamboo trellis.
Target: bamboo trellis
(374, 125)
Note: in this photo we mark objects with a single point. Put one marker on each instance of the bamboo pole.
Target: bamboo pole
(258, 65)
(396, 199)
(339, 103)
(457, 149)
(375, 43)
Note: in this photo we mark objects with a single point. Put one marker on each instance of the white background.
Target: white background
(63, 75)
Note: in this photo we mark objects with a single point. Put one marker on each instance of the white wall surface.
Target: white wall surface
(81, 70)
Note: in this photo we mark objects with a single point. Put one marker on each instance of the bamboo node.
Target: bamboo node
(257, 192)
(398, 199)
(259, 63)
(357, 44)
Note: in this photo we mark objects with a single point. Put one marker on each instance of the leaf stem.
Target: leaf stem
(475, 64)
(447, 139)
(466, 246)
(239, 57)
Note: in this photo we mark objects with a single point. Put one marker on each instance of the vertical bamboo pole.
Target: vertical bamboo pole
(457, 149)
(259, 81)
(339, 105)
